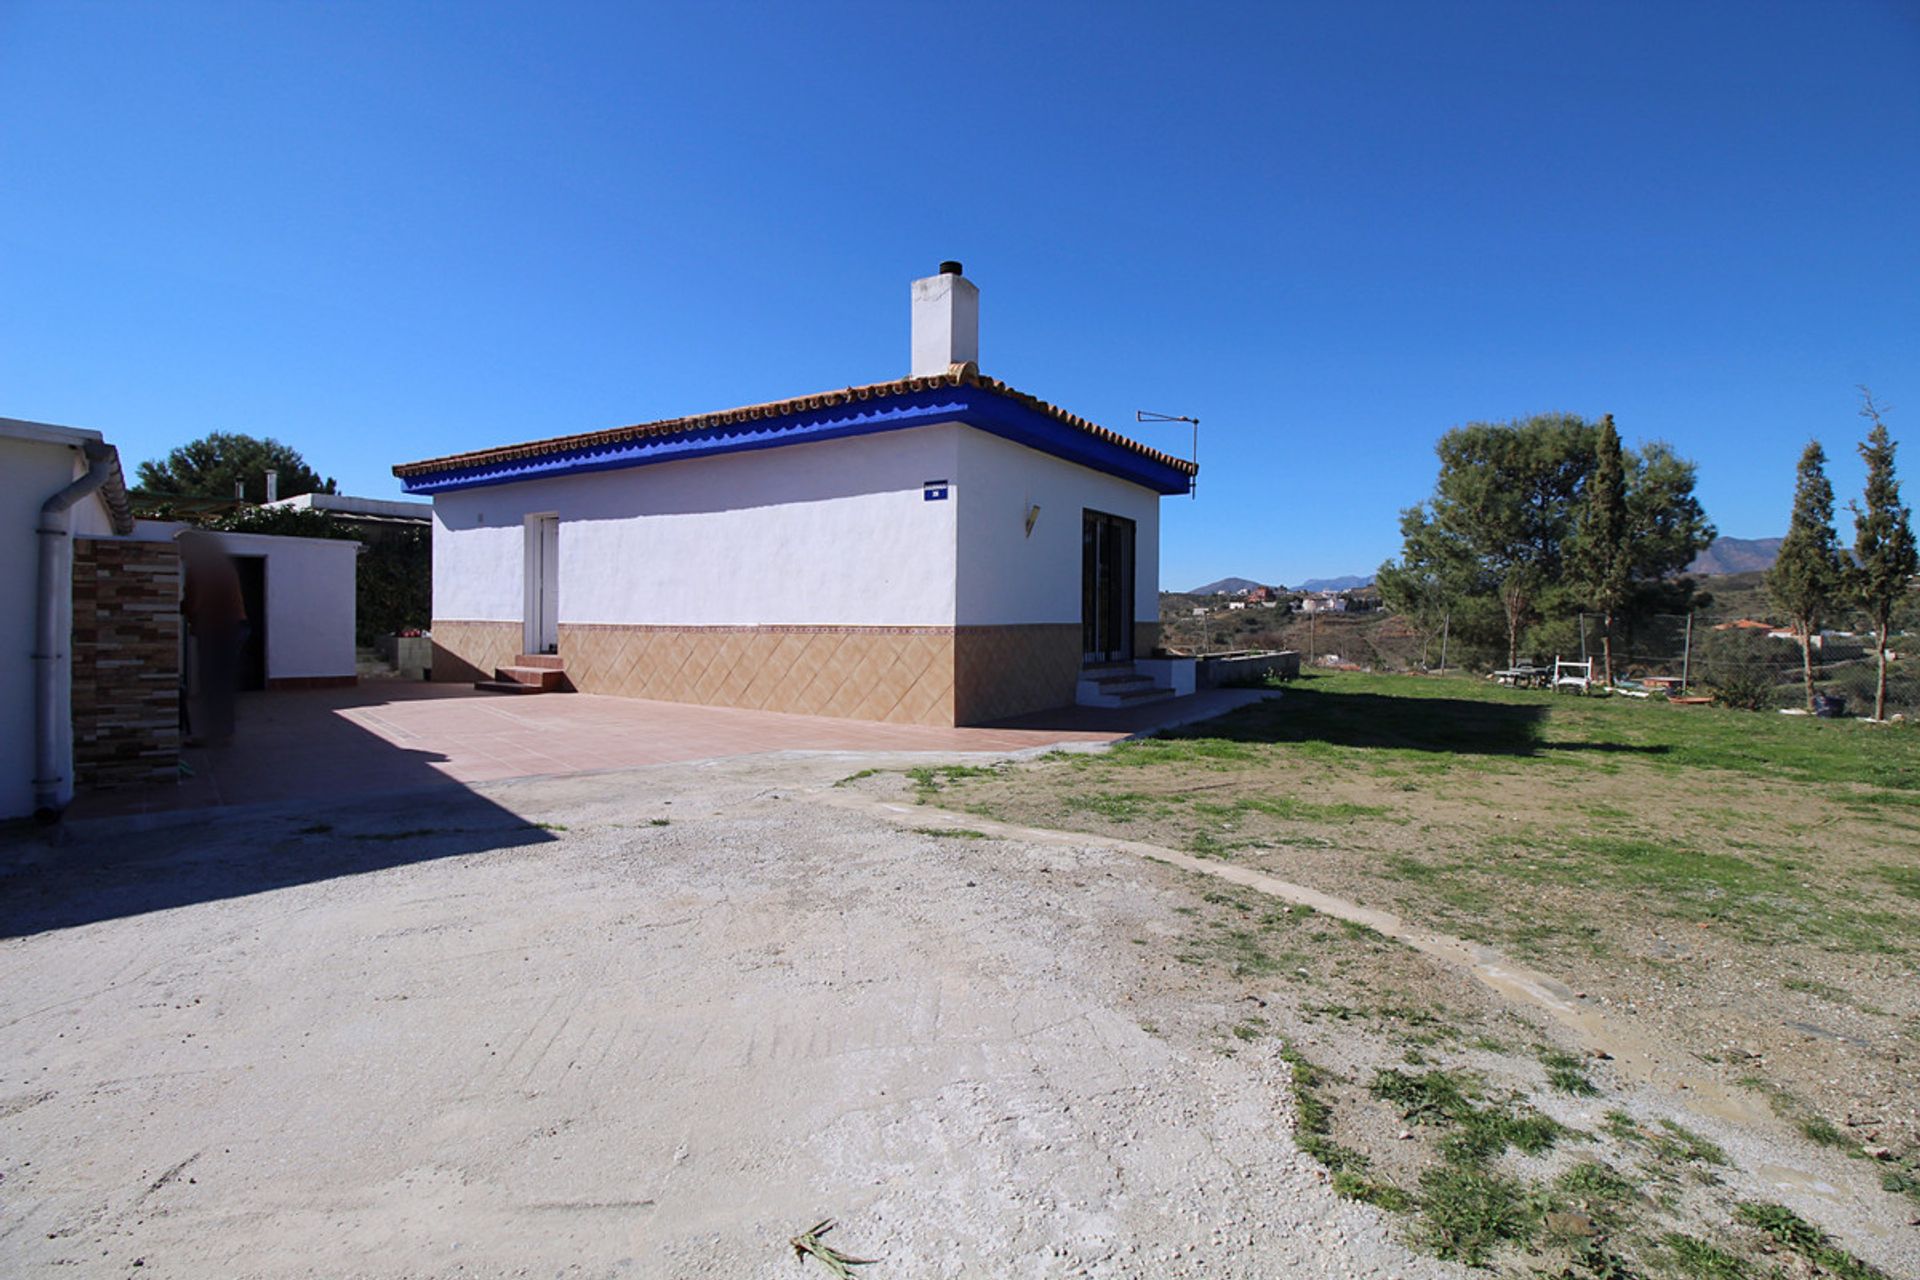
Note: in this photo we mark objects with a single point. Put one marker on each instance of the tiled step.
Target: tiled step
(508, 686)
(545, 677)
(533, 673)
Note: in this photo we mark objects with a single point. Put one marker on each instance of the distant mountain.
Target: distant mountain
(1352, 582)
(1736, 555)
(1226, 587)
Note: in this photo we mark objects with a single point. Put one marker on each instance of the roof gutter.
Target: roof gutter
(49, 657)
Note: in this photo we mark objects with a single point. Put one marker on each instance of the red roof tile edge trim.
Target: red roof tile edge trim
(956, 376)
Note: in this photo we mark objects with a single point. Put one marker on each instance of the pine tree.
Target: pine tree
(1808, 576)
(1605, 547)
(1883, 546)
(210, 466)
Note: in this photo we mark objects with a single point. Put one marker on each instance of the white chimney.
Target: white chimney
(946, 321)
(273, 485)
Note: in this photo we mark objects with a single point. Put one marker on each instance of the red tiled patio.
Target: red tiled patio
(392, 735)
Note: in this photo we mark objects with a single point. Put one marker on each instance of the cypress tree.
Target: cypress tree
(1808, 577)
(1883, 546)
(1605, 545)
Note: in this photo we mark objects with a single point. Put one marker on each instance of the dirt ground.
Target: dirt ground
(656, 1023)
(647, 1024)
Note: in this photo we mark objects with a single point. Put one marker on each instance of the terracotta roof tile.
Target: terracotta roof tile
(957, 375)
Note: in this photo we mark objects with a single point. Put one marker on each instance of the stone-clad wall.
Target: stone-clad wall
(126, 663)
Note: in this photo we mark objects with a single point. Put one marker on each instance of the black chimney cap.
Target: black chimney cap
(950, 268)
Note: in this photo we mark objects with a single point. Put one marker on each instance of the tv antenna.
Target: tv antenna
(1147, 415)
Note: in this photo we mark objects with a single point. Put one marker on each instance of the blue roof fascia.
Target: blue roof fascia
(975, 406)
(1026, 425)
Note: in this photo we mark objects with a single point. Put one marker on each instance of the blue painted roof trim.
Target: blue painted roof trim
(972, 405)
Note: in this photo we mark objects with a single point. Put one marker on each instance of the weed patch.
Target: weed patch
(1468, 1213)
(1350, 1170)
(1696, 1259)
(1567, 1073)
(930, 780)
(1478, 1130)
(1791, 1231)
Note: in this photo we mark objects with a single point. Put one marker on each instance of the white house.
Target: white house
(938, 549)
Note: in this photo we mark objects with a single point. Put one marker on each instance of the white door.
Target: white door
(543, 584)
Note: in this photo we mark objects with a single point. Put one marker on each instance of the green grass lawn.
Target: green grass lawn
(1772, 826)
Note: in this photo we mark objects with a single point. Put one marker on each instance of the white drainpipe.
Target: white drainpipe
(56, 584)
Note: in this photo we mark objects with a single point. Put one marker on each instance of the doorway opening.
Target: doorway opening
(1106, 588)
(543, 585)
(252, 572)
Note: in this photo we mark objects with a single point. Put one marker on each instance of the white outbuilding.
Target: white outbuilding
(936, 549)
(90, 620)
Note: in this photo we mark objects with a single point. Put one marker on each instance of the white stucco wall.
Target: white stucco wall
(832, 533)
(310, 602)
(1007, 577)
(31, 471)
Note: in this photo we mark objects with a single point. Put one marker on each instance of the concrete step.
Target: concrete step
(1117, 684)
(551, 661)
(1131, 698)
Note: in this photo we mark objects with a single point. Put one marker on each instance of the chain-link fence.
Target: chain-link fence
(1733, 657)
(1746, 662)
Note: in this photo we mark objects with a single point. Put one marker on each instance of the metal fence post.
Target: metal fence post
(1686, 654)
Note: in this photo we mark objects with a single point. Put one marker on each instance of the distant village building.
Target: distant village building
(1323, 602)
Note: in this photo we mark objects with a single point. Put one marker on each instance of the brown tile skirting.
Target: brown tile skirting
(467, 651)
(900, 674)
(916, 675)
(1011, 670)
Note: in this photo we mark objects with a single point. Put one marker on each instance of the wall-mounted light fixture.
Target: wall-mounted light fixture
(1033, 514)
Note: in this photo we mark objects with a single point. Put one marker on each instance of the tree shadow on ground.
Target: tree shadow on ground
(44, 887)
(109, 868)
(1455, 726)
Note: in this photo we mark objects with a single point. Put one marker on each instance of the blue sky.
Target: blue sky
(387, 231)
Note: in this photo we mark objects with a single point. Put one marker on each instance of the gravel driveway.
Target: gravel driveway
(432, 1036)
